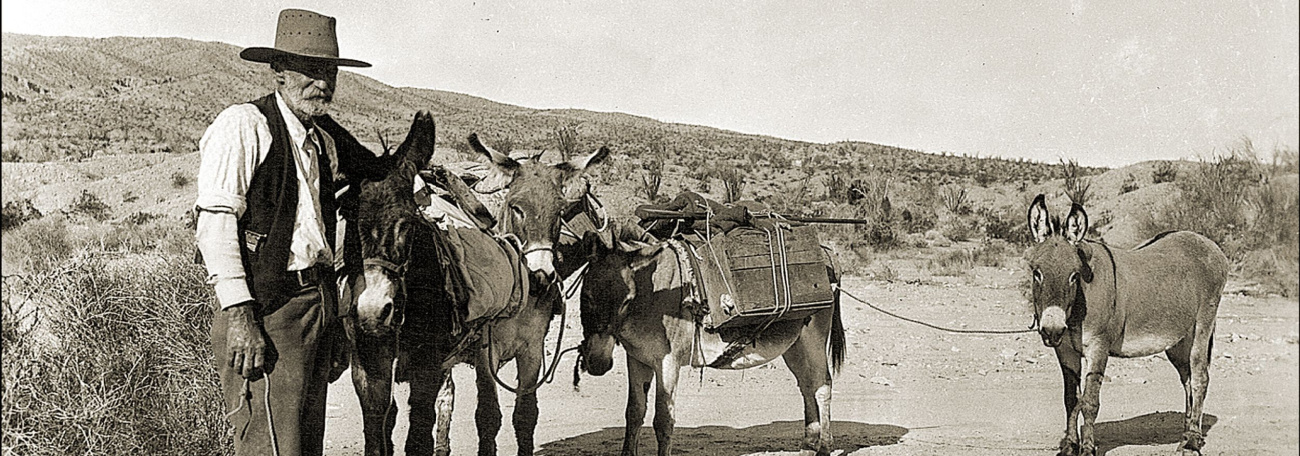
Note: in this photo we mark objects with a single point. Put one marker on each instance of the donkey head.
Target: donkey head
(1059, 264)
(538, 193)
(609, 288)
(388, 223)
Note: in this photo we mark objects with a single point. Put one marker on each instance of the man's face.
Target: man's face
(307, 86)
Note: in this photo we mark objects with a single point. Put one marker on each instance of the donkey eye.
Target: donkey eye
(1038, 276)
(517, 212)
(1074, 277)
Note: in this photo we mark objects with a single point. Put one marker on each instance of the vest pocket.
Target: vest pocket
(253, 240)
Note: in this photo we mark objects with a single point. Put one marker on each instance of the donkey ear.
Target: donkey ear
(418, 146)
(581, 163)
(502, 172)
(1076, 224)
(644, 255)
(1040, 224)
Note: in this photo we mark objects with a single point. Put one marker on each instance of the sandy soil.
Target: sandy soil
(910, 390)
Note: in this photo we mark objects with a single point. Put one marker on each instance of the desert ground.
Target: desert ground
(906, 389)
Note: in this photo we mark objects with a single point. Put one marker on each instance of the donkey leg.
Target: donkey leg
(372, 377)
(639, 376)
(1090, 403)
(487, 416)
(1202, 345)
(425, 383)
(667, 373)
(812, 372)
(1070, 361)
(1180, 355)
(445, 404)
(524, 418)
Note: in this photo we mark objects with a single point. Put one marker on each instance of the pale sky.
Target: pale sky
(1105, 83)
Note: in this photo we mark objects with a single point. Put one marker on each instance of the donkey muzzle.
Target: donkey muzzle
(598, 354)
(375, 304)
(1052, 326)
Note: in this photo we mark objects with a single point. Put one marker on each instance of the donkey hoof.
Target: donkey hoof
(1193, 441)
(1068, 448)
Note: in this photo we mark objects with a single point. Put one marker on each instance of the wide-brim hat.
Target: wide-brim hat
(302, 33)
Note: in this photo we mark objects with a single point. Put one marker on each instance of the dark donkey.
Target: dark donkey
(1091, 303)
(401, 316)
(405, 327)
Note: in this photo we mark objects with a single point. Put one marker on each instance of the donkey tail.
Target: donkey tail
(837, 337)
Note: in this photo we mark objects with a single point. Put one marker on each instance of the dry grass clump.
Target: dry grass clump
(1246, 207)
(109, 354)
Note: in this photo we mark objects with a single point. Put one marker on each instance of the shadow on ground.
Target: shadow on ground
(728, 441)
(1160, 428)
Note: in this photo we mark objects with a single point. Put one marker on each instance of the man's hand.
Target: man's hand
(244, 339)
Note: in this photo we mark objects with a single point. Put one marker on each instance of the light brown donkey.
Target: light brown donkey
(1092, 302)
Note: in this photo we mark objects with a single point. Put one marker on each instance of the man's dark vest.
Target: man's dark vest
(266, 227)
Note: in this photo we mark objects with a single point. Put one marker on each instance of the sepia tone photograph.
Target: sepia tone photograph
(580, 228)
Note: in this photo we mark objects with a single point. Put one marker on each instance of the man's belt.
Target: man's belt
(309, 277)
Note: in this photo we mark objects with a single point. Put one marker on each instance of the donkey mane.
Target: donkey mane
(1154, 239)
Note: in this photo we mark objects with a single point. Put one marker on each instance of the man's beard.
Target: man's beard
(309, 107)
(315, 106)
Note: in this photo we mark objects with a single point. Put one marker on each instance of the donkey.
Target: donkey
(403, 322)
(1092, 302)
(536, 194)
(634, 297)
(400, 319)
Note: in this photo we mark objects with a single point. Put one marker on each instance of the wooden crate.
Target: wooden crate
(746, 282)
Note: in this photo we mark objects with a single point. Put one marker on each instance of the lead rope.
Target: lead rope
(929, 325)
(266, 401)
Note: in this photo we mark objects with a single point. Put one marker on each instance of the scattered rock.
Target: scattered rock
(881, 381)
(1008, 353)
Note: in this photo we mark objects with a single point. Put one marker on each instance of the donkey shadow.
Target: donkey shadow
(1160, 428)
(728, 441)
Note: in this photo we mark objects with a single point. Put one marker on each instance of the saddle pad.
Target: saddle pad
(749, 279)
(496, 283)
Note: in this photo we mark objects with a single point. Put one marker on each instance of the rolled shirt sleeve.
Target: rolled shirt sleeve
(230, 150)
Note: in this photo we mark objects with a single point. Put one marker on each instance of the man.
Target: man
(272, 185)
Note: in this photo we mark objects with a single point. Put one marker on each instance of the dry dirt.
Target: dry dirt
(910, 390)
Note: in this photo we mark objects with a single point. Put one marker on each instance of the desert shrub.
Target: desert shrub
(1007, 224)
(840, 190)
(89, 205)
(871, 196)
(1286, 160)
(16, 213)
(953, 263)
(565, 138)
(180, 179)
(123, 366)
(733, 182)
(652, 177)
(992, 253)
(1130, 184)
(1276, 211)
(40, 244)
(1273, 269)
(880, 234)
(961, 229)
(1077, 186)
(1211, 202)
(1164, 172)
(917, 219)
(954, 199)
(504, 144)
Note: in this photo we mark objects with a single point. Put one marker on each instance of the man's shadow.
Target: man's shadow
(728, 441)
(1160, 428)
